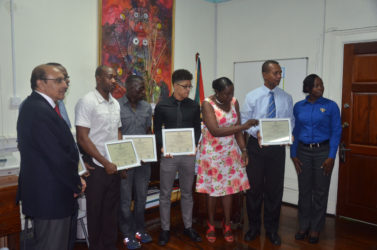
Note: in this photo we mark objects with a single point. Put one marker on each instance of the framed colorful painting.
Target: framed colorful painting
(136, 37)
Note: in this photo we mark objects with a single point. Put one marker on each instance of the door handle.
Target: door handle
(345, 125)
(342, 151)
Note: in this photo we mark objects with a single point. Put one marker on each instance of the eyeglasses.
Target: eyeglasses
(57, 80)
(185, 86)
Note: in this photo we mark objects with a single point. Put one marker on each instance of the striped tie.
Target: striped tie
(271, 110)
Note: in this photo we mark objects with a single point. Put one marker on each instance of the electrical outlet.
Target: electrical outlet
(15, 101)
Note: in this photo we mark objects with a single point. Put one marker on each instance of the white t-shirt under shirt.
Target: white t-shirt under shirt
(102, 117)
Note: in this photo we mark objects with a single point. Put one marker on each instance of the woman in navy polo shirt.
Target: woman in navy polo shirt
(316, 134)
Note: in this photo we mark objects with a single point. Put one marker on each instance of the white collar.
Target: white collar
(48, 99)
(270, 90)
(100, 97)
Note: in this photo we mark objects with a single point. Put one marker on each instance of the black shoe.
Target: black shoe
(251, 235)
(301, 235)
(274, 238)
(194, 236)
(313, 240)
(164, 238)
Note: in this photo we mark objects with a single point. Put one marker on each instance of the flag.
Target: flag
(199, 91)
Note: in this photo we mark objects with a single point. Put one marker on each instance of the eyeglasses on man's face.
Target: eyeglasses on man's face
(58, 80)
(185, 86)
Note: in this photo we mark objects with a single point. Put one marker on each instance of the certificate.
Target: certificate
(275, 131)
(122, 153)
(82, 169)
(145, 146)
(178, 141)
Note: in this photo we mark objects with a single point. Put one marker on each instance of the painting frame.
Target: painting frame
(134, 45)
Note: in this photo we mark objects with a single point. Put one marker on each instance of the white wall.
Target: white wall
(250, 30)
(67, 32)
(350, 14)
(60, 31)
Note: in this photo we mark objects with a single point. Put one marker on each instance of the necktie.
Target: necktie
(179, 115)
(271, 110)
(57, 110)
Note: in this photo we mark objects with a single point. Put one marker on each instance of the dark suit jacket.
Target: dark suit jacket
(49, 160)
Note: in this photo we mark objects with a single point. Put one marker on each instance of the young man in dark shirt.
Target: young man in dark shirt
(177, 111)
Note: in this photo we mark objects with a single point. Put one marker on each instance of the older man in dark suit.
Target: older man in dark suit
(48, 180)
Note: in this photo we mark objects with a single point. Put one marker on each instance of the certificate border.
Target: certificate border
(84, 171)
(137, 164)
(275, 119)
(164, 131)
(129, 137)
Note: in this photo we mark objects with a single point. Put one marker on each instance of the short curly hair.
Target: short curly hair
(181, 75)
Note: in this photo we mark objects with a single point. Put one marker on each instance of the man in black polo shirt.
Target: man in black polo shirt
(177, 111)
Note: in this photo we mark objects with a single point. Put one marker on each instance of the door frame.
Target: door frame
(332, 75)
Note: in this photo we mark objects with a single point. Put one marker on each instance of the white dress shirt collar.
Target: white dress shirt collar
(48, 99)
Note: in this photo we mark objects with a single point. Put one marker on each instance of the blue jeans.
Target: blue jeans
(134, 187)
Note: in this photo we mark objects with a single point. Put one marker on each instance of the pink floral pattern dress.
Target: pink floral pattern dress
(220, 170)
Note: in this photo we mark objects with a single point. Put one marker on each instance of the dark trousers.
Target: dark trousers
(313, 188)
(266, 176)
(185, 165)
(102, 204)
(52, 234)
(73, 230)
(134, 187)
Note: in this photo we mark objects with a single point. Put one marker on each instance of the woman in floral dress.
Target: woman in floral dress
(222, 153)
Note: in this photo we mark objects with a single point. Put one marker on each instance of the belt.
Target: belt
(315, 145)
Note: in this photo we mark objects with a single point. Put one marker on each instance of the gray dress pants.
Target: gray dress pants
(185, 166)
(52, 234)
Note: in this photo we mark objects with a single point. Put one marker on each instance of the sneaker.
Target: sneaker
(143, 237)
(131, 243)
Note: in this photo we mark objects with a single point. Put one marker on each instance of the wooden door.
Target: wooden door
(357, 186)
